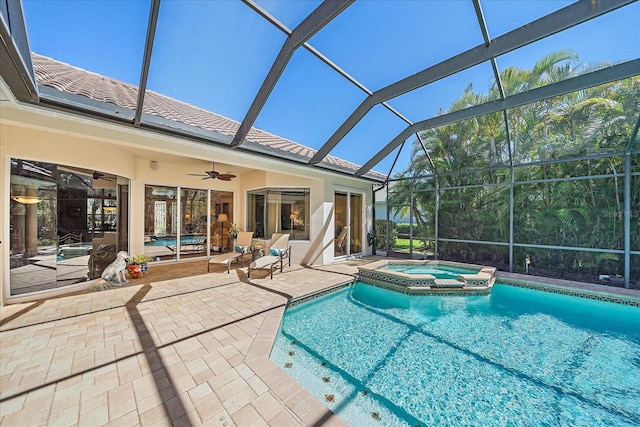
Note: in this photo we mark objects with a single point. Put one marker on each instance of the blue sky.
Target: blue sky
(215, 55)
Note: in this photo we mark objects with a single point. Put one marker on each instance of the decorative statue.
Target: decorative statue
(114, 273)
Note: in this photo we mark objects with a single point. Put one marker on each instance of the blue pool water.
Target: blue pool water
(439, 272)
(518, 357)
(171, 241)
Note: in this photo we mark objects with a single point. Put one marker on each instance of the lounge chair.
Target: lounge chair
(278, 252)
(241, 248)
(243, 244)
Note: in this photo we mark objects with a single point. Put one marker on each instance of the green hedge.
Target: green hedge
(381, 231)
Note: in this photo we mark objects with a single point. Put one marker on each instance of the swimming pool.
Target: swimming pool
(515, 357)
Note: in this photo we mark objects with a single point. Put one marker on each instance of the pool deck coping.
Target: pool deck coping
(568, 287)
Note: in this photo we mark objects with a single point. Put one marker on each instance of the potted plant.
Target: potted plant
(138, 265)
(233, 231)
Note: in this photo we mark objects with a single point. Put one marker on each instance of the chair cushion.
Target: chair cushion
(241, 249)
(277, 252)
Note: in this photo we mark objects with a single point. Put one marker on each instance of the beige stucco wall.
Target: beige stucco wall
(4, 219)
(38, 134)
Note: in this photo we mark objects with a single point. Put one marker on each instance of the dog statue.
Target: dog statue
(114, 274)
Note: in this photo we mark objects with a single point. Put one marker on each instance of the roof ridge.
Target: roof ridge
(35, 55)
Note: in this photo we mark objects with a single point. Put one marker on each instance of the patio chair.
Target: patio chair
(240, 249)
(278, 252)
(243, 244)
(341, 240)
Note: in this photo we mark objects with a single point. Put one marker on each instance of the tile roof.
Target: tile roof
(73, 80)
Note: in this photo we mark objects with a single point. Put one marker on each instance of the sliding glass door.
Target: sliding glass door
(348, 224)
(66, 224)
(180, 223)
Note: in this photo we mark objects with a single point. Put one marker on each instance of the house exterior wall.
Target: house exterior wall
(38, 134)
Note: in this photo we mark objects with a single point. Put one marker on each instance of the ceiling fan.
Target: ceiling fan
(214, 174)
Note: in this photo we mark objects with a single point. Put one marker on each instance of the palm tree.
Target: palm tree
(583, 213)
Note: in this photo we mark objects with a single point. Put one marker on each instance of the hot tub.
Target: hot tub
(429, 277)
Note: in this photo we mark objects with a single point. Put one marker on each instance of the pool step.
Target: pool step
(484, 277)
(448, 283)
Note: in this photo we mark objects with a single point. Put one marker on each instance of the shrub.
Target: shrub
(381, 231)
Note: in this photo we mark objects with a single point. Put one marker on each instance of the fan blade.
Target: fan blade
(225, 176)
(196, 174)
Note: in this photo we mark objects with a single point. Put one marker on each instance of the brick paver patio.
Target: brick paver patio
(181, 347)
(184, 351)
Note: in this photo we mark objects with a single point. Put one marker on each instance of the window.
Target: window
(278, 211)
